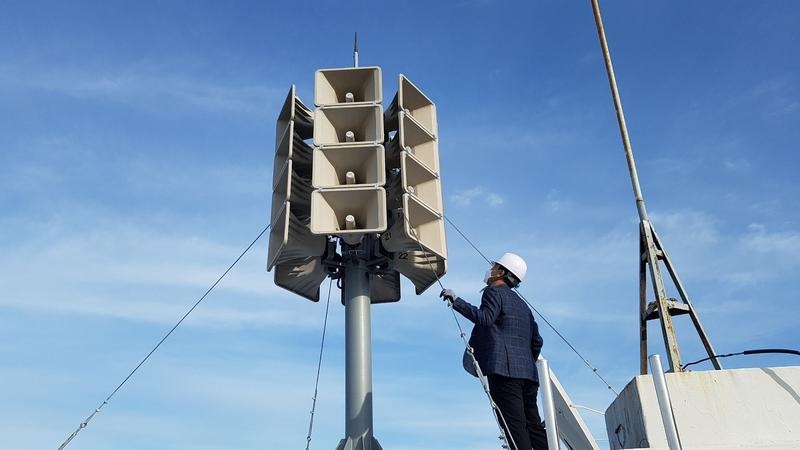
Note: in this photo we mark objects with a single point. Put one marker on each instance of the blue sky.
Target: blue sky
(136, 164)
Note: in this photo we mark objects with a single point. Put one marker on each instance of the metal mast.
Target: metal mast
(651, 250)
(358, 356)
(355, 49)
(355, 202)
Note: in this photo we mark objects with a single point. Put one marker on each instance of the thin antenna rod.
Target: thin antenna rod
(623, 129)
(355, 50)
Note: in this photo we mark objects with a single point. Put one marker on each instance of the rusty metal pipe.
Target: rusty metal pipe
(623, 128)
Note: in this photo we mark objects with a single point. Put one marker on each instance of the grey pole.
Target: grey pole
(355, 50)
(623, 128)
(650, 248)
(664, 403)
(358, 360)
(548, 404)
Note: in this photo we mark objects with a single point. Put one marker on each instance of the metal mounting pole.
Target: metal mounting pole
(548, 404)
(355, 50)
(651, 251)
(358, 360)
(623, 128)
(664, 403)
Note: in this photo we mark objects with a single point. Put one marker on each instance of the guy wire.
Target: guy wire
(593, 369)
(85, 422)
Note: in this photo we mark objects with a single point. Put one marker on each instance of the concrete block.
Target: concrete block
(730, 409)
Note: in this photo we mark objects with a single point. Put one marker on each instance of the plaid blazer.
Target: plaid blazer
(505, 337)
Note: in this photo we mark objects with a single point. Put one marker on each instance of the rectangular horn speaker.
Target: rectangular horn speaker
(345, 211)
(419, 181)
(354, 165)
(333, 124)
(414, 102)
(290, 239)
(303, 277)
(291, 146)
(415, 227)
(352, 85)
(422, 268)
(415, 139)
(292, 187)
(294, 110)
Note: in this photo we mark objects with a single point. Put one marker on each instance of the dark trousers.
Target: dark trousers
(516, 399)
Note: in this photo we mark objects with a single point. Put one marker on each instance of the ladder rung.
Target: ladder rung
(659, 255)
(675, 308)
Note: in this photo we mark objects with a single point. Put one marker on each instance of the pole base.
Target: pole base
(358, 444)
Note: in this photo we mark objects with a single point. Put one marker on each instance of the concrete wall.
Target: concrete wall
(730, 409)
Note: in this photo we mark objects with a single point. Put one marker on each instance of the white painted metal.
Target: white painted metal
(572, 430)
(547, 404)
(664, 405)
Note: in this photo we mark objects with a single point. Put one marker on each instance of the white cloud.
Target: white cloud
(478, 194)
(679, 166)
(495, 199)
(270, 397)
(693, 227)
(554, 203)
(737, 164)
(773, 97)
(145, 275)
(149, 88)
(785, 246)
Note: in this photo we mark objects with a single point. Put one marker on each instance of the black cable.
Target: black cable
(97, 410)
(758, 351)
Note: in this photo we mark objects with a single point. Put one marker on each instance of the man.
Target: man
(506, 343)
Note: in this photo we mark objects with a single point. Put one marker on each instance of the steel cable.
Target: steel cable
(498, 415)
(466, 239)
(85, 422)
(319, 366)
(593, 369)
(585, 361)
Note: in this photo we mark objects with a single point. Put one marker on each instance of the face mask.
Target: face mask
(487, 277)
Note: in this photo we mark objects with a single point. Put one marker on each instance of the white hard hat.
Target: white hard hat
(515, 264)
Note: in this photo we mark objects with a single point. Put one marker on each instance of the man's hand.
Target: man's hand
(448, 294)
